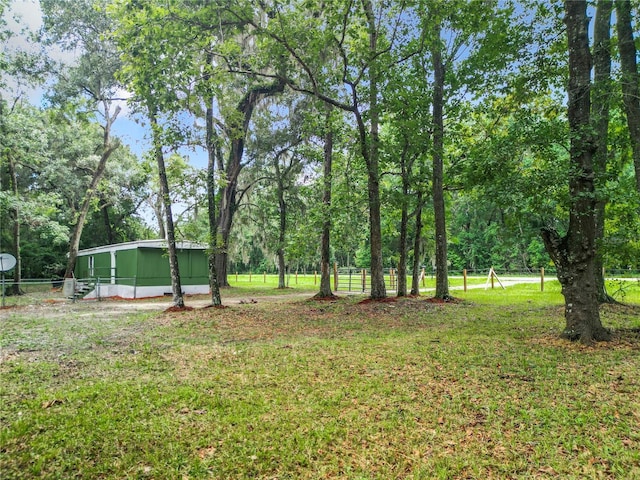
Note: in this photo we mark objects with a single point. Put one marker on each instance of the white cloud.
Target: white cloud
(28, 12)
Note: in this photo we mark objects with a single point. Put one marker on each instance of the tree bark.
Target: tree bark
(282, 211)
(600, 98)
(404, 220)
(228, 193)
(417, 247)
(176, 284)
(370, 152)
(574, 254)
(630, 79)
(108, 147)
(325, 251)
(442, 273)
(17, 270)
(212, 152)
(104, 206)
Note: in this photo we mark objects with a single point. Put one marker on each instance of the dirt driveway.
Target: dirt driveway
(56, 308)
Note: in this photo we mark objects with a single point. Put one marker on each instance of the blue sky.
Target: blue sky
(132, 133)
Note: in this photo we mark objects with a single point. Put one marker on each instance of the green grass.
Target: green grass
(293, 388)
(312, 281)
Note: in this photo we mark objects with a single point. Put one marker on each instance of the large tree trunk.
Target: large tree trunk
(228, 193)
(108, 147)
(630, 79)
(442, 270)
(226, 210)
(574, 254)
(600, 97)
(417, 247)
(176, 284)
(371, 154)
(325, 251)
(212, 151)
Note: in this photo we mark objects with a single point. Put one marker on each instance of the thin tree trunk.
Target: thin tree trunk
(417, 247)
(155, 202)
(442, 273)
(104, 206)
(282, 211)
(107, 149)
(325, 250)
(17, 270)
(630, 79)
(600, 97)
(212, 151)
(404, 220)
(371, 154)
(574, 254)
(176, 285)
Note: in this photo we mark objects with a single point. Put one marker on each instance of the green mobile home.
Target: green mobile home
(141, 269)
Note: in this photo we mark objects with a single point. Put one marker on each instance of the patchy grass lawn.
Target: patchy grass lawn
(296, 388)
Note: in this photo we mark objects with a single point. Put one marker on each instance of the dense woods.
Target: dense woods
(292, 135)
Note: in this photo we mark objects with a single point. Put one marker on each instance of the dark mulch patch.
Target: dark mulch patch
(219, 307)
(329, 298)
(178, 309)
(378, 300)
(441, 301)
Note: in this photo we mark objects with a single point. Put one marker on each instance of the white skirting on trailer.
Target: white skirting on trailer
(128, 291)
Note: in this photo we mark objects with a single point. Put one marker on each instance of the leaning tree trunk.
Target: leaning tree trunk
(630, 79)
(442, 270)
(600, 99)
(325, 251)
(176, 284)
(370, 152)
(417, 247)
(574, 254)
(212, 151)
(107, 149)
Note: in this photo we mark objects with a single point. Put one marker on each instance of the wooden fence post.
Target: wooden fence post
(335, 276)
(464, 279)
(542, 279)
(315, 276)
